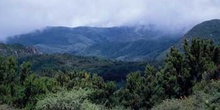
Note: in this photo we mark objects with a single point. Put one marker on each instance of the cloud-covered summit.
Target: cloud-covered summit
(20, 16)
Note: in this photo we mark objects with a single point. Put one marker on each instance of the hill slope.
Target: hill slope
(205, 30)
(45, 64)
(50, 64)
(122, 43)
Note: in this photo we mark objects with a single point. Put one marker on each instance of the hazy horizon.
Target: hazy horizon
(22, 16)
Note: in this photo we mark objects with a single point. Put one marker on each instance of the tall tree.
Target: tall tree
(25, 70)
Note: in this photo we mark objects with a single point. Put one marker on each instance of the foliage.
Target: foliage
(7, 107)
(141, 90)
(183, 71)
(19, 86)
(76, 99)
(110, 70)
(71, 100)
(189, 79)
(202, 99)
(176, 104)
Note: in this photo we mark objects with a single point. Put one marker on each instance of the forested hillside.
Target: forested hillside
(50, 64)
(109, 54)
(120, 43)
(205, 30)
(188, 80)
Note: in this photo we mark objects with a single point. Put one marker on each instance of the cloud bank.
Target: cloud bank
(21, 16)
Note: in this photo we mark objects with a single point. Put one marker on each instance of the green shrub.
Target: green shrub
(206, 97)
(176, 104)
(76, 99)
(7, 107)
(87, 105)
(66, 100)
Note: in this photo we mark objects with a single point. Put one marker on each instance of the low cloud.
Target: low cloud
(21, 16)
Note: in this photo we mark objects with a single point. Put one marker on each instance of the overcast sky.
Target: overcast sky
(21, 16)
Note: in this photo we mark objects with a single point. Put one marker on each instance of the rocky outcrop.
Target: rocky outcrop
(17, 50)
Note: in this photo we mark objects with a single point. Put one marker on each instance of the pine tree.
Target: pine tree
(25, 70)
(176, 75)
(9, 70)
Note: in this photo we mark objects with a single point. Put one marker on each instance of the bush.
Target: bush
(7, 107)
(76, 99)
(66, 100)
(206, 97)
(176, 104)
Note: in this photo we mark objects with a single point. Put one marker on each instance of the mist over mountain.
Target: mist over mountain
(130, 43)
(22, 16)
(110, 29)
(205, 30)
(110, 54)
(121, 43)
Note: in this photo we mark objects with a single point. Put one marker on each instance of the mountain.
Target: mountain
(121, 43)
(208, 29)
(205, 30)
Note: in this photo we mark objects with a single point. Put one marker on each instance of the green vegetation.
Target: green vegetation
(187, 80)
(71, 100)
(121, 43)
(110, 70)
(206, 30)
(205, 98)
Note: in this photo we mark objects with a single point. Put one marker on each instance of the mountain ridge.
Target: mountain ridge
(125, 42)
(206, 30)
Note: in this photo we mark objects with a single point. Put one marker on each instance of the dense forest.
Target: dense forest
(110, 70)
(188, 79)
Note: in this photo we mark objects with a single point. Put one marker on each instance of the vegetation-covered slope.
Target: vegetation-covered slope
(123, 43)
(130, 51)
(192, 78)
(188, 79)
(205, 30)
(50, 64)
(110, 70)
